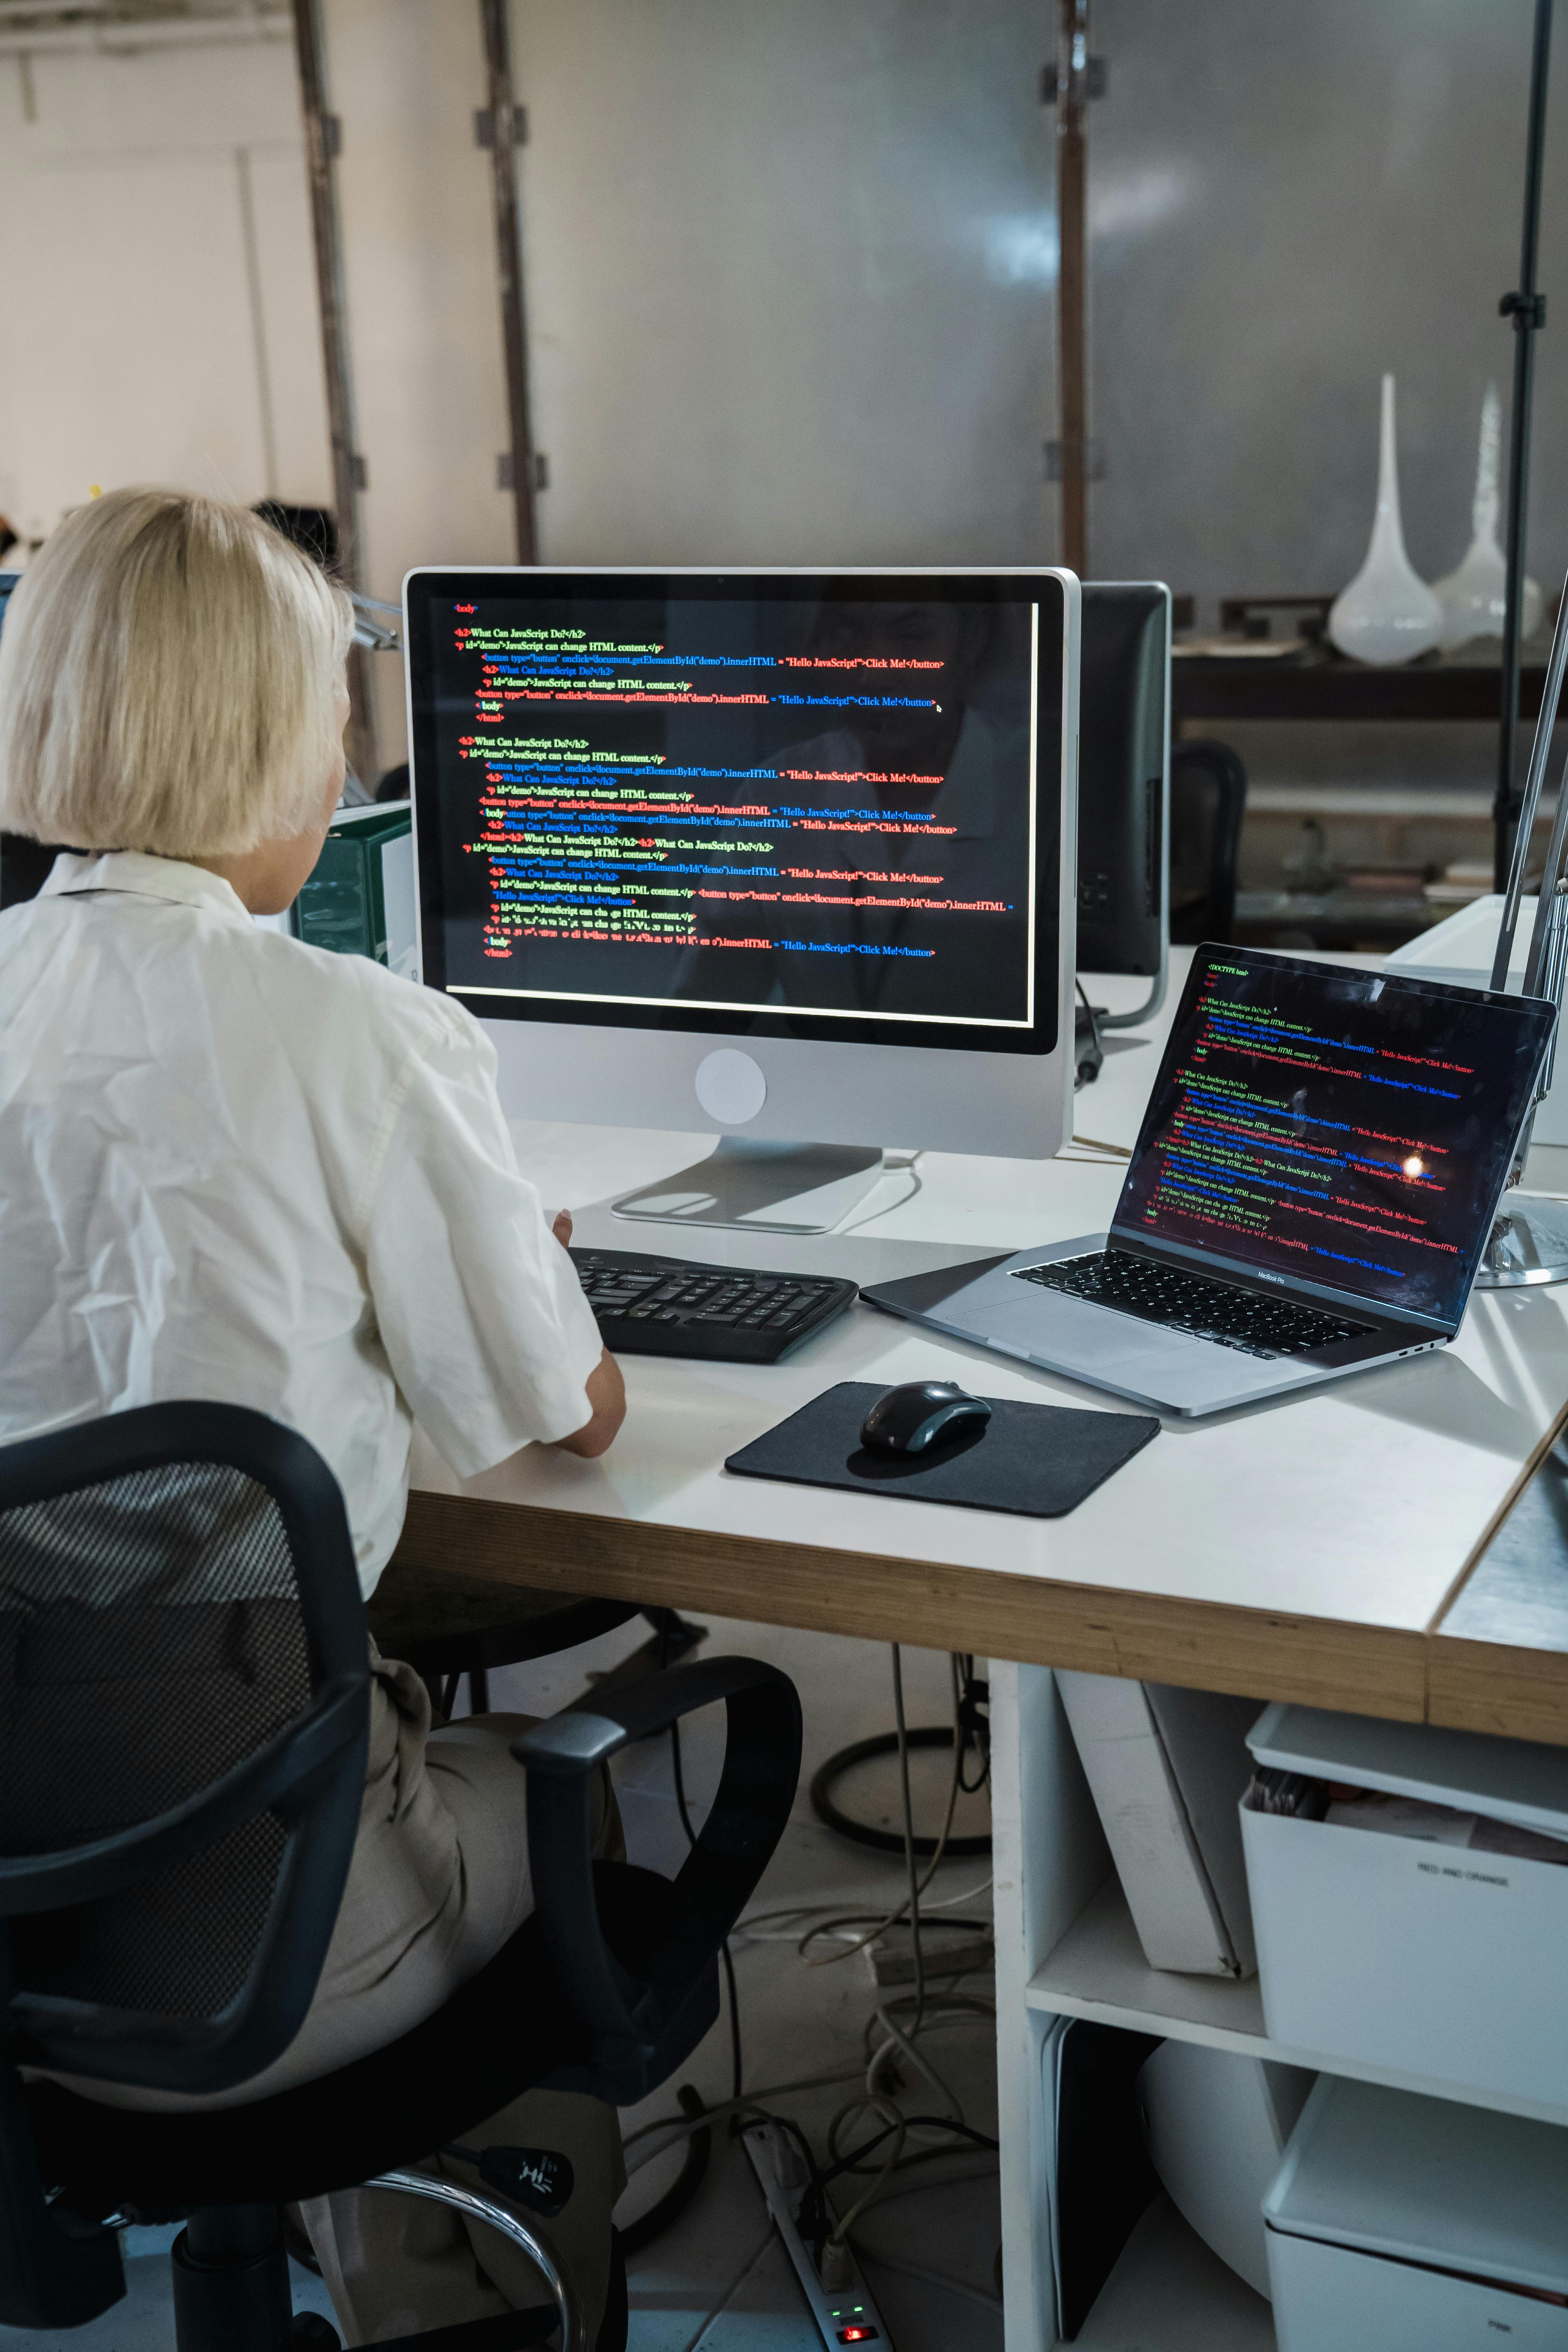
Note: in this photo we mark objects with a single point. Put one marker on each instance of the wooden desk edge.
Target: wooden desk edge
(1205, 1645)
(1499, 1687)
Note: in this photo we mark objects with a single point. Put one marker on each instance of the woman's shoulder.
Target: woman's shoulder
(333, 999)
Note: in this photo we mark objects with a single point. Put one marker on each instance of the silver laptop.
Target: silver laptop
(1311, 1191)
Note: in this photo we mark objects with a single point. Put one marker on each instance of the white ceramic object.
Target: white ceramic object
(1388, 613)
(1473, 598)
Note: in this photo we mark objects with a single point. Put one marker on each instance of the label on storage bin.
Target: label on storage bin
(1471, 1875)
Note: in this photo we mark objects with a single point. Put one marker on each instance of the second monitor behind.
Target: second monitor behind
(1123, 784)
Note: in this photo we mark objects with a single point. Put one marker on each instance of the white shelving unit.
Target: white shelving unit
(1170, 2293)
(1066, 1946)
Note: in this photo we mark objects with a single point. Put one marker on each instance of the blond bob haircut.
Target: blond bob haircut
(168, 671)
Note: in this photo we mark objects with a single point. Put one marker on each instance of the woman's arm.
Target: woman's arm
(607, 1390)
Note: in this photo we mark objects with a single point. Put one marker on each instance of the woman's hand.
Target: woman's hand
(561, 1226)
(607, 1401)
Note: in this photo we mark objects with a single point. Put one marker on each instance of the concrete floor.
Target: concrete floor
(719, 2278)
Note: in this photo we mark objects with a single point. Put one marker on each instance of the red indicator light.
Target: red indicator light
(857, 2334)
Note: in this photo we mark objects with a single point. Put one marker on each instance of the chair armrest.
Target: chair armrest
(597, 1726)
(627, 2000)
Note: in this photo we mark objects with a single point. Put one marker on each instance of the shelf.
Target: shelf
(1098, 1970)
(1355, 912)
(1206, 686)
(1169, 2293)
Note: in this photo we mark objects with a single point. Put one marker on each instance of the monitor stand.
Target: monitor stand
(767, 1188)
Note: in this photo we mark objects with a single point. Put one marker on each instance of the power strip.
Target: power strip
(961, 1953)
(845, 2314)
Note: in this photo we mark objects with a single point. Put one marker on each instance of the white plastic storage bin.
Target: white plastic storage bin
(1404, 2224)
(1432, 1959)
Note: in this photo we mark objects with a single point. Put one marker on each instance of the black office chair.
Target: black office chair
(184, 1704)
(1208, 801)
(449, 1627)
(24, 869)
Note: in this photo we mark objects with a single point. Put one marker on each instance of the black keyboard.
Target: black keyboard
(663, 1307)
(1196, 1303)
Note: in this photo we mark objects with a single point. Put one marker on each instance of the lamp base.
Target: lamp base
(1529, 1244)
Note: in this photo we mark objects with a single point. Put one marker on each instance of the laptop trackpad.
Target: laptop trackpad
(1052, 1321)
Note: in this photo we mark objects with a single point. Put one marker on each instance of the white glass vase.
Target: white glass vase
(1474, 597)
(1388, 613)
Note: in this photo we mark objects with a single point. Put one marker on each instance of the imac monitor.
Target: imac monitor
(1123, 794)
(787, 855)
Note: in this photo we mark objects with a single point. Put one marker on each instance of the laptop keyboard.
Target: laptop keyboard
(1194, 1303)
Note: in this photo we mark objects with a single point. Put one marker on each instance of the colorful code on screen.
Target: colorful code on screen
(1344, 1126)
(691, 802)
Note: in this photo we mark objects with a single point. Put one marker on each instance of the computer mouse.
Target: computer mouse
(920, 1416)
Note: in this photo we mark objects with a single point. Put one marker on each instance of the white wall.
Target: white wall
(405, 77)
(791, 278)
(783, 272)
(786, 276)
(144, 335)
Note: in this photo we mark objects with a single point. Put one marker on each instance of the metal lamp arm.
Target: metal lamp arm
(1539, 751)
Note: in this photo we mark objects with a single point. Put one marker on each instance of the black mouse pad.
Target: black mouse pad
(1038, 1460)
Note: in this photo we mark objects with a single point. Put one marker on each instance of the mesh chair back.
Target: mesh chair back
(183, 1702)
(1208, 801)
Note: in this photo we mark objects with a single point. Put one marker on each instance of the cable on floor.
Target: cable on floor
(899, 2018)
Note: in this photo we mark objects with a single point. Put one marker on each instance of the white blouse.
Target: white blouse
(238, 1167)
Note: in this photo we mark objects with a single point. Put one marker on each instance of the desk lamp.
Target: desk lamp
(1529, 1241)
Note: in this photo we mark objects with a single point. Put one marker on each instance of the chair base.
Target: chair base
(231, 2282)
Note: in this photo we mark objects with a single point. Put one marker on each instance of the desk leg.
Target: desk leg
(1050, 1858)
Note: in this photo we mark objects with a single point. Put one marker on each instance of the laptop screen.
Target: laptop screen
(1352, 1130)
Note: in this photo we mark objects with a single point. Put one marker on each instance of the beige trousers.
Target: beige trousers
(437, 1882)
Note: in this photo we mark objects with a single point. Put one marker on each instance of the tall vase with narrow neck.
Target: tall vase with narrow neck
(1474, 598)
(1388, 613)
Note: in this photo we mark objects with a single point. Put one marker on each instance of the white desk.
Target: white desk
(1304, 1550)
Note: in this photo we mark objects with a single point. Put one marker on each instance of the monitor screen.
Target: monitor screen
(786, 803)
(1350, 1129)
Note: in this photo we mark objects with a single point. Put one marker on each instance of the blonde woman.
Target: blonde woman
(236, 1167)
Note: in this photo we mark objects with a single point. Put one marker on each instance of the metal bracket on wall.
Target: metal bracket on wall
(1093, 461)
(506, 476)
(485, 126)
(1096, 80)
